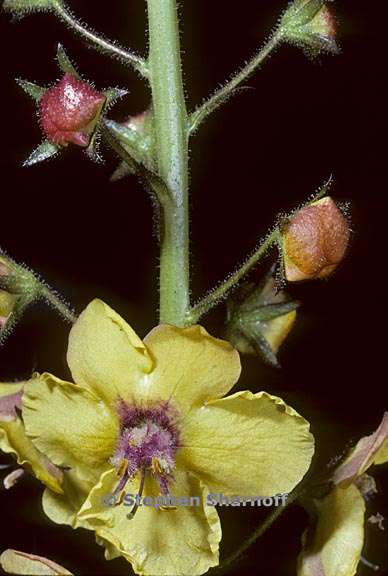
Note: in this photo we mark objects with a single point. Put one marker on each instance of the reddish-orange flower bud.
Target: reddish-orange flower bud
(69, 111)
(315, 240)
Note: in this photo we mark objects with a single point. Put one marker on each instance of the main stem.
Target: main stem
(171, 129)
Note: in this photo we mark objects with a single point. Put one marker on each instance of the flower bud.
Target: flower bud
(314, 241)
(311, 25)
(260, 319)
(69, 111)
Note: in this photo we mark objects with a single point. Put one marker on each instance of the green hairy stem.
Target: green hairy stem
(171, 128)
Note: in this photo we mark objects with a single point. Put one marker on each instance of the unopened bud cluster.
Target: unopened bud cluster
(18, 288)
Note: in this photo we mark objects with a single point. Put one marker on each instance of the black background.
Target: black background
(266, 151)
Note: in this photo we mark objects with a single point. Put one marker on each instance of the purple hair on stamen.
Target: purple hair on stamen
(148, 442)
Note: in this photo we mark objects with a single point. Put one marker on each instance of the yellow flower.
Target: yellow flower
(336, 544)
(13, 438)
(150, 418)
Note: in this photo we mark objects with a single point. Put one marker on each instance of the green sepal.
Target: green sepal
(260, 345)
(301, 12)
(112, 95)
(298, 25)
(43, 152)
(322, 191)
(137, 144)
(65, 63)
(92, 151)
(122, 171)
(12, 320)
(33, 90)
(272, 311)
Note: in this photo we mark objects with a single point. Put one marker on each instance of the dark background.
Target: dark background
(266, 151)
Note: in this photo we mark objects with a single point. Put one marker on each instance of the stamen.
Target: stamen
(156, 467)
(120, 499)
(123, 472)
(123, 467)
(132, 513)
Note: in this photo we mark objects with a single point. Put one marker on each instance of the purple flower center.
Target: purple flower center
(147, 443)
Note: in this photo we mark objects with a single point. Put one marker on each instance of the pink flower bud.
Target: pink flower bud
(69, 111)
(315, 240)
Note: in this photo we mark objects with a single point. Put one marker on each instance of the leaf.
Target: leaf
(36, 92)
(15, 562)
(65, 63)
(42, 152)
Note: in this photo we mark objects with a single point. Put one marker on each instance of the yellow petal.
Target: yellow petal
(382, 454)
(70, 425)
(247, 445)
(369, 450)
(10, 399)
(111, 551)
(13, 440)
(276, 330)
(16, 562)
(165, 542)
(105, 354)
(63, 508)
(339, 536)
(191, 366)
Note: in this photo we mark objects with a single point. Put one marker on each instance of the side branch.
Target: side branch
(218, 294)
(126, 56)
(56, 302)
(224, 93)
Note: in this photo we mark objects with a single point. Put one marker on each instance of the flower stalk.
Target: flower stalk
(171, 128)
(216, 296)
(226, 91)
(99, 42)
